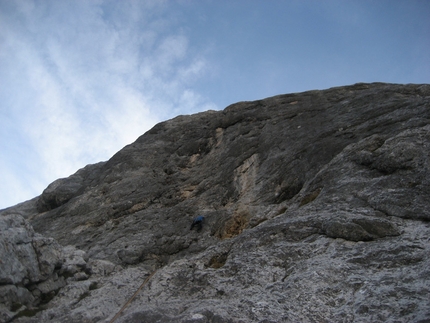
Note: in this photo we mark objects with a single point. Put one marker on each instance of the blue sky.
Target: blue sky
(81, 79)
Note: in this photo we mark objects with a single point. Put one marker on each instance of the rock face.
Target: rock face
(316, 209)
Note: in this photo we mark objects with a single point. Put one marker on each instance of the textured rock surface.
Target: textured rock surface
(316, 210)
(27, 266)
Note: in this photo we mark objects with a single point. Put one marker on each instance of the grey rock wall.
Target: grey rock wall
(316, 208)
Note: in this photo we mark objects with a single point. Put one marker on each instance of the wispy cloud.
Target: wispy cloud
(81, 79)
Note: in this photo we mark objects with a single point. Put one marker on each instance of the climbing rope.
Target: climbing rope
(132, 297)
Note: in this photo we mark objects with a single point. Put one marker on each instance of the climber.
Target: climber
(198, 222)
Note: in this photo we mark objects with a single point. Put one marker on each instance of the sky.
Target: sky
(80, 79)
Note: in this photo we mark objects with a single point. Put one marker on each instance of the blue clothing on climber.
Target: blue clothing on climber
(198, 222)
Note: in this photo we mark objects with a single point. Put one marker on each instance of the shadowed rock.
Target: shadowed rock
(315, 204)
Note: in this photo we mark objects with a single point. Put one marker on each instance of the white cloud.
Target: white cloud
(84, 78)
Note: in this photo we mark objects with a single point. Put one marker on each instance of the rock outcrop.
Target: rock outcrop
(316, 210)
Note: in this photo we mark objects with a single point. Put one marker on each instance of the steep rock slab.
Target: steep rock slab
(315, 207)
(224, 164)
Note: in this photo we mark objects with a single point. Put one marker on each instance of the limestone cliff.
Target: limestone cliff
(316, 209)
